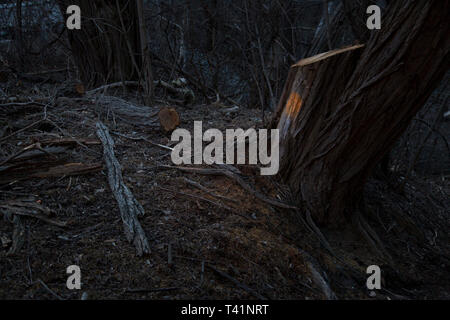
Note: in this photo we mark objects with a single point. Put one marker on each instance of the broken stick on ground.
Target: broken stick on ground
(129, 207)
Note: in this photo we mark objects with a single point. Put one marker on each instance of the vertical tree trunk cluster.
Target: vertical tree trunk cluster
(342, 111)
(112, 43)
(19, 31)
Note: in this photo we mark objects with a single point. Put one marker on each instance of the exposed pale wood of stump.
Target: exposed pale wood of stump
(169, 119)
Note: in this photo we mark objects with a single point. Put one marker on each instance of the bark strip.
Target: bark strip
(129, 207)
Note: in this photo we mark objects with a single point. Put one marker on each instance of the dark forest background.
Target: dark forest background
(364, 179)
(241, 50)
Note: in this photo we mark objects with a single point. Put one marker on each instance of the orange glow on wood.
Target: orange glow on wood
(291, 110)
(293, 105)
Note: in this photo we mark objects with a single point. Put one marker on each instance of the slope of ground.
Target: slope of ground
(225, 244)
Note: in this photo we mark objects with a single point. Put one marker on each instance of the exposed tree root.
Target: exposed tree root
(318, 277)
(211, 193)
(237, 283)
(370, 235)
(18, 238)
(236, 178)
(319, 234)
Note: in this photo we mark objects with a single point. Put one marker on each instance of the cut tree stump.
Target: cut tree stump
(298, 89)
(308, 87)
(343, 110)
(129, 207)
(169, 119)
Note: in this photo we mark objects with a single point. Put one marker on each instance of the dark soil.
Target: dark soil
(262, 250)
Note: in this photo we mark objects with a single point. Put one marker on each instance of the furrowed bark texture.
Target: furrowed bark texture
(129, 207)
(341, 114)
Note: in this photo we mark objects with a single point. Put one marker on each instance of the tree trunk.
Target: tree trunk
(19, 32)
(111, 45)
(338, 34)
(342, 111)
(145, 61)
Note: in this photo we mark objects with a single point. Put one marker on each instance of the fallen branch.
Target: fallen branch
(15, 210)
(143, 139)
(197, 198)
(47, 72)
(21, 104)
(21, 130)
(18, 238)
(71, 142)
(371, 237)
(42, 283)
(320, 281)
(236, 178)
(237, 283)
(36, 150)
(199, 186)
(114, 85)
(129, 207)
(45, 169)
(186, 93)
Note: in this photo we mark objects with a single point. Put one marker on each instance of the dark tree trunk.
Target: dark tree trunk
(110, 46)
(19, 31)
(337, 35)
(340, 114)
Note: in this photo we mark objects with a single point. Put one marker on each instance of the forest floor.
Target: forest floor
(229, 245)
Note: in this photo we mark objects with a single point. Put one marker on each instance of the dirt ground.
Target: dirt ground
(231, 246)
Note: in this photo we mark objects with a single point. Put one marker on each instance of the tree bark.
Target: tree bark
(340, 113)
(337, 35)
(112, 43)
(146, 62)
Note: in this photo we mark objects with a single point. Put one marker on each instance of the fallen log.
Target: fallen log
(30, 209)
(70, 142)
(129, 207)
(36, 161)
(128, 112)
(45, 170)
